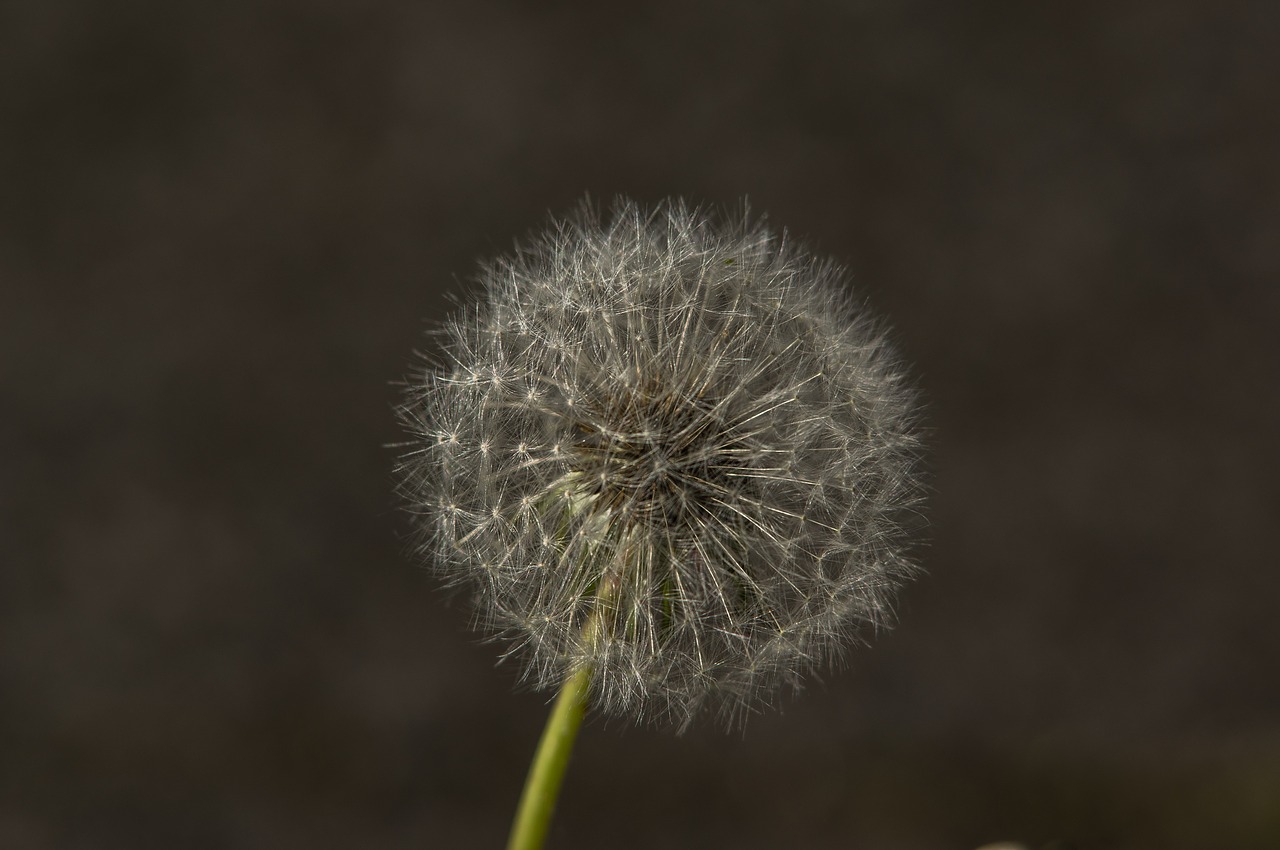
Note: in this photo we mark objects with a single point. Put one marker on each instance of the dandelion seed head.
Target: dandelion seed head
(677, 428)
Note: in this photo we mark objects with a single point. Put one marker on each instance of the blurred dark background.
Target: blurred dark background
(224, 227)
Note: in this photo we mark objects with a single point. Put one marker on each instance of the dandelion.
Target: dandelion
(672, 459)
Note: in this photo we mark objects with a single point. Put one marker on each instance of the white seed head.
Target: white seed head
(671, 448)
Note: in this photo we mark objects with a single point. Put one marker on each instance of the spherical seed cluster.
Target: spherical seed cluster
(667, 447)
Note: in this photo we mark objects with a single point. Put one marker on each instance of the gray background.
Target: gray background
(223, 228)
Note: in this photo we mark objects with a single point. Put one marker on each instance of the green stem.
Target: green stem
(533, 817)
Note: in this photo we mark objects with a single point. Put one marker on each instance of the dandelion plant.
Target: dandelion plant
(673, 460)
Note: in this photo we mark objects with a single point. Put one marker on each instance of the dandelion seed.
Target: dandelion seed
(683, 428)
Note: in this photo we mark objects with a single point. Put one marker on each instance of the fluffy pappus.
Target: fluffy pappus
(669, 447)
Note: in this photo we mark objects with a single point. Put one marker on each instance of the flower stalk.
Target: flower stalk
(551, 759)
(546, 774)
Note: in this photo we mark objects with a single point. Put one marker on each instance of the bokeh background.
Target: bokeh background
(225, 226)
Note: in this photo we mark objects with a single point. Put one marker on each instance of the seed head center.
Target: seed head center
(661, 460)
